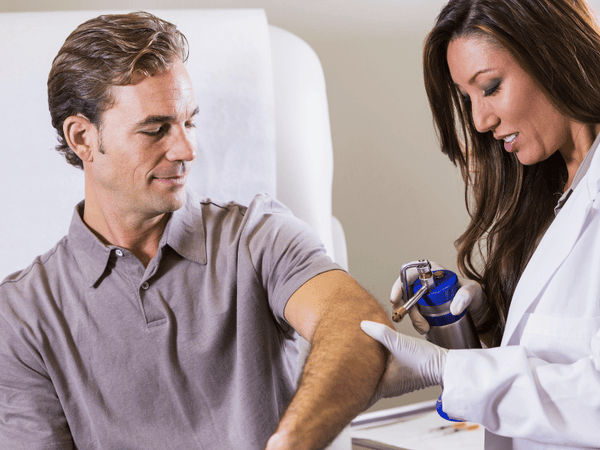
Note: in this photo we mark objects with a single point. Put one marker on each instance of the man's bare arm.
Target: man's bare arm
(344, 364)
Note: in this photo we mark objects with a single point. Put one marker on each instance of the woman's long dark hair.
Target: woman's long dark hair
(511, 205)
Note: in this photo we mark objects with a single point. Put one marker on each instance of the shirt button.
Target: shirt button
(119, 252)
(145, 285)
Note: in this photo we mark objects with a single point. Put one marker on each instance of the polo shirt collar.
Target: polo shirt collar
(90, 253)
(185, 231)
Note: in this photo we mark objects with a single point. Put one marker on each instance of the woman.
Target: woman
(514, 87)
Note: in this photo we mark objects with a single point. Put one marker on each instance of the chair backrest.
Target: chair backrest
(263, 125)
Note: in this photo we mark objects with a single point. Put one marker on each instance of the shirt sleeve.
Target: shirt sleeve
(31, 416)
(286, 252)
(514, 394)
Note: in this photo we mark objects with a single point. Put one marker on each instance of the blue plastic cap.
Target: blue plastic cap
(443, 292)
(440, 411)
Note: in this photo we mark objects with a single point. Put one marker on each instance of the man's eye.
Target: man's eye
(156, 132)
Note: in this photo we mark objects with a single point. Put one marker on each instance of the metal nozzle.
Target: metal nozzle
(425, 275)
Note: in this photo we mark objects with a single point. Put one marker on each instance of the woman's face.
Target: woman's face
(506, 101)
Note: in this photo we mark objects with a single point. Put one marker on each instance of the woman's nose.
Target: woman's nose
(484, 118)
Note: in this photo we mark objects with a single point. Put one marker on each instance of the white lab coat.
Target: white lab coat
(541, 388)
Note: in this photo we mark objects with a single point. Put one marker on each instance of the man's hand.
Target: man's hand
(278, 442)
(417, 363)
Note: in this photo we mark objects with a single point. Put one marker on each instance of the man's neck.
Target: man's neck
(140, 235)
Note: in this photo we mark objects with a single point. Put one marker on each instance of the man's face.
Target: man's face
(146, 145)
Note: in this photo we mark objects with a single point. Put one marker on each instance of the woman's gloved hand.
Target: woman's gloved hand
(414, 363)
(469, 295)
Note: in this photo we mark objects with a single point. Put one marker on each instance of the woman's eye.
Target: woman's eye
(492, 89)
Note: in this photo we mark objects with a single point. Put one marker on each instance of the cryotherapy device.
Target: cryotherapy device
(433, 292)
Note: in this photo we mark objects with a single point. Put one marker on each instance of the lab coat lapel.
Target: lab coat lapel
(554, 247)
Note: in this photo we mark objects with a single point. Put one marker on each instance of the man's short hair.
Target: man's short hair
(104, 52)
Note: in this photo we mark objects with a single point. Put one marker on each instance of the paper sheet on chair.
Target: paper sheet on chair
(230, 65)
(427, 431)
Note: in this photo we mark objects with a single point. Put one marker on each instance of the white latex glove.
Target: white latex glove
(416, 363)
(469, 295)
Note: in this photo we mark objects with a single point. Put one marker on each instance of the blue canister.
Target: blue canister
(446, 329)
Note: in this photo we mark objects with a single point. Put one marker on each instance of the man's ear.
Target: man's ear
(81, 135)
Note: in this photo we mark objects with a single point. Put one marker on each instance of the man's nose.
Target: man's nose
(184, 145)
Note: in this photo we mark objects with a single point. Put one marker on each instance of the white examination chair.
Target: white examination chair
(263, 127)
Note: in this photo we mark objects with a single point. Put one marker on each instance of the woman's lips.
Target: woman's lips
(510, 141)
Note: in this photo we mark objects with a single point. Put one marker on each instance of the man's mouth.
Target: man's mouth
(177, 180)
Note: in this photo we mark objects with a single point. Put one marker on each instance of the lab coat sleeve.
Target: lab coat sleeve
(512, 393)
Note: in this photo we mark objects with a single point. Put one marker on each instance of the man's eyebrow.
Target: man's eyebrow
(153, 120)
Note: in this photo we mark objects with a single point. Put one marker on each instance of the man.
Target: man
(161, 321)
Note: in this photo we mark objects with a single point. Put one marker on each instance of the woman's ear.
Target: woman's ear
(81, 136)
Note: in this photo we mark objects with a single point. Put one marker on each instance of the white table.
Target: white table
(413, 427)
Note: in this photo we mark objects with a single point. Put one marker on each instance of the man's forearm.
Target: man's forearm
(340, 375)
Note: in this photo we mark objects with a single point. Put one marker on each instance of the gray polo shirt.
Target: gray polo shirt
(192, 352)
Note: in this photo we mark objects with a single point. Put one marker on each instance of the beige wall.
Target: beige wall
(397, 196)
